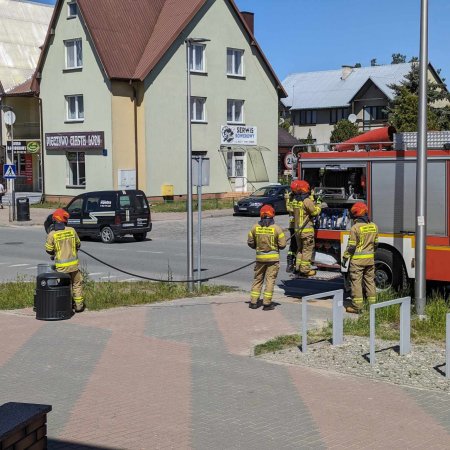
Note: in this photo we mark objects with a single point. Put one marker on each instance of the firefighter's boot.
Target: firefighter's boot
(253, 305)
(290, 264)
(79, 306)
(353, 309)
(269, 307)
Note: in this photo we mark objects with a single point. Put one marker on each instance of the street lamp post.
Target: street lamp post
(421, 171)
(190, 220)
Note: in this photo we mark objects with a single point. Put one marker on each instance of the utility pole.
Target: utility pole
(421, 173)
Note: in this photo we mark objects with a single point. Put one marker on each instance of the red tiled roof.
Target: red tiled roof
(24, 88)
(131, 36)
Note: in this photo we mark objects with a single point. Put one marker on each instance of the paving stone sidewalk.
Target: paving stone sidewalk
(180, 375)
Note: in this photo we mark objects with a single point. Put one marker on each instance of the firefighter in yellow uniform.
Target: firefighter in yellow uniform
(304, 212)
(267, 239)
(361, 248)
(292, 252)
(63, 244)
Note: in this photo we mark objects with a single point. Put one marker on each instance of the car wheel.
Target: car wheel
(140, 236)
(51, 227)
(107, 235)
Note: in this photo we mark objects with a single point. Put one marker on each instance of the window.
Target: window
(373, 114)
(307, 117)
(71, 10)
(235, 111)
(76, 206)
(198, 109)
(197, 58)
(77, 168)
(74, 54)
(75, 107)
(338, 114)
(235, 62)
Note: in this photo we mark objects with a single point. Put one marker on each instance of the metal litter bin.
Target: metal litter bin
(45, 268)
(23, 209)
(53, 297)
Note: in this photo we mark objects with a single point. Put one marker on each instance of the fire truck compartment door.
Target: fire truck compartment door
(394, 197)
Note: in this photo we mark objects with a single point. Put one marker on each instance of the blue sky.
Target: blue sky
(309, 35)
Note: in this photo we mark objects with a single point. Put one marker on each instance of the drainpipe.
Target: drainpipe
(41, 130)
(136, 146)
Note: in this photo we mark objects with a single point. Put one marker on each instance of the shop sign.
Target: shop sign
(238, 134)
(33, 147)
(91, 140)
(19, 146)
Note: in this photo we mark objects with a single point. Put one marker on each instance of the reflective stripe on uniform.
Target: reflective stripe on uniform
(67, 264)
(357, 300)
(268, 257)
(363, 256)
(305, 230)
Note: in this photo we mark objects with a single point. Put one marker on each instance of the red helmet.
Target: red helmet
(300, 187)
(359, 209)
(267, 211)
(60, 215)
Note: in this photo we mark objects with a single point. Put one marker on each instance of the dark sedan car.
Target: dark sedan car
(268, 195)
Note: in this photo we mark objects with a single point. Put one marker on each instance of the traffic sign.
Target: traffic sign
(9, 171)
(289, 160)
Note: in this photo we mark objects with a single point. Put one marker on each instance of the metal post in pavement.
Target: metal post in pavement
(199, 224)
(421, 171)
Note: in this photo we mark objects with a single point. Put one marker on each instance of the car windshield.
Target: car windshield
(265, 192)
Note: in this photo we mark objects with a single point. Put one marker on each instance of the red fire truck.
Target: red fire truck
(384, 176)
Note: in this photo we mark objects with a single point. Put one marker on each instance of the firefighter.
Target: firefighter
(305, 209)
(267, 239)
(63, 244)
(292, 252)
(361, 249)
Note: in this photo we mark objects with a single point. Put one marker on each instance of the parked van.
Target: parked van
(108, 215)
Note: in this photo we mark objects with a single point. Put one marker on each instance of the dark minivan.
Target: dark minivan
(109, 215)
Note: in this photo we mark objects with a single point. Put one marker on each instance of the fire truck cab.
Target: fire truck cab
(385, 179)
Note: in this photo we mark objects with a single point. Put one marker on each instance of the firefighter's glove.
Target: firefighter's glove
(319, 200)
(52, 257)
(344, 262)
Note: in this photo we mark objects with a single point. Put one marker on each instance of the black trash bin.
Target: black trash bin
(53, 297)
(23, 209)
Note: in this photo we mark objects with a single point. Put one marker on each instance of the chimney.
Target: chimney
(249, 18)
(346, 71)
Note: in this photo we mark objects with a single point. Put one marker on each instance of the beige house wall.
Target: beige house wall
(165, 104)
(90, 81)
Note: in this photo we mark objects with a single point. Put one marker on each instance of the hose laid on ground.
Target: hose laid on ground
(174, 281)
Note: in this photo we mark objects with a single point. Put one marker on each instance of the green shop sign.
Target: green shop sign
(33, 147)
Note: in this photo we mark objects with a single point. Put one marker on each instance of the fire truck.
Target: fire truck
(383, 174)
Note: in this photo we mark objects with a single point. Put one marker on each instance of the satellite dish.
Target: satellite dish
(352, 118)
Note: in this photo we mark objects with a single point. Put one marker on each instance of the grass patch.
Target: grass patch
(181, 206)
(387, 325)
(48, 205)
(109, 294)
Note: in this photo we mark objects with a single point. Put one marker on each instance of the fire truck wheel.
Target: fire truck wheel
(389, 271)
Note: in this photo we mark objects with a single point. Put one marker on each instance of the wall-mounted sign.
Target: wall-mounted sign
(33, 147)
(24, 146)
(91, 140)
(237, 134)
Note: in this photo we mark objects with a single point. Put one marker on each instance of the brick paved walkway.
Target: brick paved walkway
(179, 375)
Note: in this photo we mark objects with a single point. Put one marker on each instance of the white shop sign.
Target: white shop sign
(238, 134)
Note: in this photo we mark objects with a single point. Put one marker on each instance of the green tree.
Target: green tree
(373, 62)
(403, 110)
(357, 65)
(285, 123)
(344, 130)
(398, 58)
(403, 114)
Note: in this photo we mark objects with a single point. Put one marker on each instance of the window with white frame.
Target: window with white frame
(235, 111)
(74, 107)
(74, 54)
(72, 10)
(197, 61)
(76, 169)
(235, 62)
(198, 109)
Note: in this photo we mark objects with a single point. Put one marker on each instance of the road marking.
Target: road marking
(149, 251)
(19, 265)
(108, 277)
(31, 268)
(95, 273)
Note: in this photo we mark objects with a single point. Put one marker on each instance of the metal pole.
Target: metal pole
(199, 225)
(13, 181)
(421, 173)
(189, 227)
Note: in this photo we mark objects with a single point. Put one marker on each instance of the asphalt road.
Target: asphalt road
(161, 256)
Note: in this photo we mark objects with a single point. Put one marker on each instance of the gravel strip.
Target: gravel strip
(416, 369)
